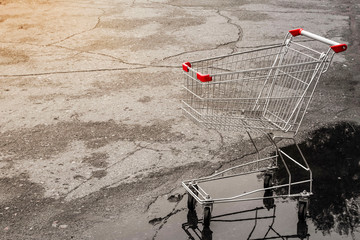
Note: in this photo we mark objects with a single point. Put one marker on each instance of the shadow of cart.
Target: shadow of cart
(263, 217)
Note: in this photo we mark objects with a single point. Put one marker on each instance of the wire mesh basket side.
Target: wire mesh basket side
(293, 85)
(247, 60)
(264, 89)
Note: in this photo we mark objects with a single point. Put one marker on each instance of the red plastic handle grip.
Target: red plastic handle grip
(204, 77)
(201, 77)
(186, 66)
(296, 32)
(339, 48)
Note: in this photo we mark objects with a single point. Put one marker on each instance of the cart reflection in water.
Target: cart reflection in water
(334, 211)
(263, 219)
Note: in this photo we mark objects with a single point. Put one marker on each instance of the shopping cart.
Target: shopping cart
(266, 90)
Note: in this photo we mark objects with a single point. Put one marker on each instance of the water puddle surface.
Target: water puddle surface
(333, 154)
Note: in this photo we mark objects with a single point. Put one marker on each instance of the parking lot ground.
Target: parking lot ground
(91, 130)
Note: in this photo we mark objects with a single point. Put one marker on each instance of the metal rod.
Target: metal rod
(201, 180)
(319, 38)
(238, 166)
(225, 200)
(238, 53)
(306, 168)
(259, 190)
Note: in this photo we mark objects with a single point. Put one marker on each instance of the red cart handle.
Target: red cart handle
(337, 47)
(202, 77)
(186, 66)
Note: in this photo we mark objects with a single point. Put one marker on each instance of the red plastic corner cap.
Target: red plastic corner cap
(204, 78)
(296, 32)
(186, 66)
(339, 48)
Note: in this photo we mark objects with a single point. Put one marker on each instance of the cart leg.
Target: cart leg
(303, 206)
(191, 203)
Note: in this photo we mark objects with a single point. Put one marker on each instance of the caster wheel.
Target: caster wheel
(191, 203)
(268, 180)
(302, 210)
(207, 217)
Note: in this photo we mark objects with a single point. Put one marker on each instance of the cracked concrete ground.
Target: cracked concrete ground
(91, 131)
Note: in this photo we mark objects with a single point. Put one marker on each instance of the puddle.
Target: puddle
(333, 154)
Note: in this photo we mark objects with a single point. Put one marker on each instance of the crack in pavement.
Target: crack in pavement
(163, 220)
(100, 54)
(79, 33)
(157, 197)
(209, 49)
(137, 65)
(55, 44)
(240, 32)
(69, 72)
(186, 52)
(229, 21)
(137, 149)
(86, 71)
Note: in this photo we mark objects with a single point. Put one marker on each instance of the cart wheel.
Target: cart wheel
(268, 180)
(302, 210)
(207, 217)
(191, 203)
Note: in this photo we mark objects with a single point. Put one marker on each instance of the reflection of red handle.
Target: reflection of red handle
(337, 47)
(186, 66)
